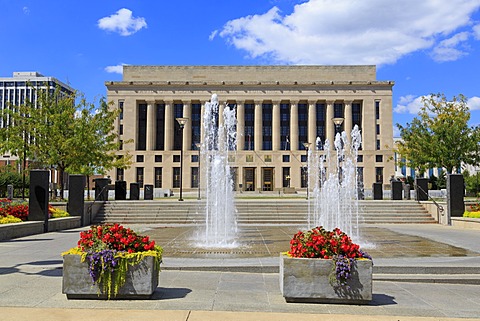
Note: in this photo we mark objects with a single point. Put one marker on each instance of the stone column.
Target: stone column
(329, 125)
(240, 127)
(258, 126)
(348, 119)
(293, 125)
(312, 123)
(169, 126)
(151, 123)
(276, 125)
(187, 131)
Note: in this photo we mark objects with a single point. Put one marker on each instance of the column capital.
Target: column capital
(312, 102)
(150, 102)
(348, 102)
(294, 102)
(330, 102)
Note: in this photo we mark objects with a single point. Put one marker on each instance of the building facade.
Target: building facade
(18, 90)
(278, 109)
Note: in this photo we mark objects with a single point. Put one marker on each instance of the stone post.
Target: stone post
(455, 195)
(38, 200)
(76, 196)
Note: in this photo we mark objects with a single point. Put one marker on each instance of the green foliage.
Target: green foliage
(472, 183)
(471, 214)
(9, 176)
(440, 136)
(76, 138)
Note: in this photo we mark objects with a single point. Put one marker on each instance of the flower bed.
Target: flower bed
(116, 261)
(325, 266)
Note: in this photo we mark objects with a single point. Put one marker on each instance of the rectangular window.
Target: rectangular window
(176, 177)
(302, 125)
(140, 171)
(158, 177)
(140, 158)
(379, 158)
(176, 158)
(286, 176)
(303, 158)
(267, 126)
(120, 129)
(196, 124)
(249, 134)
(359, 158)
(142, 127)
(158, 158)
(378, 129)
(303, 177)
(160, 128)
(321, 116)
(268, 158)
(177, 137)
(286, 158)
(377, 109)
(194, 180)
(194, 158)
(249, 158)
(120, 174)
(284, 126)
(357, 115)
(120, 106)
(378, 144)
(379, 174)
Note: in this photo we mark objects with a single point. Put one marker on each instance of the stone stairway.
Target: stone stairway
(253, 212)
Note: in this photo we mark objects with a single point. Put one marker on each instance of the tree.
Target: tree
(73, 138)
(96, 142)
(440, 137)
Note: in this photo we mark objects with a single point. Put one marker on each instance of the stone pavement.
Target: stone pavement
(234, 288)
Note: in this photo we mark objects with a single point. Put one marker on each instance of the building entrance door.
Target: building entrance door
(249, 179)
(267, 179)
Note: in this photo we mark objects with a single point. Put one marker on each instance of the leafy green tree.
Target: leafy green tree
(440, 136)
(74, 138)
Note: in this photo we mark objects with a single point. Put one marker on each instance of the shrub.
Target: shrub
(9, 219)
(472, 214)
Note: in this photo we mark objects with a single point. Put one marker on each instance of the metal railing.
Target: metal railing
(89, 208)
(440, 209)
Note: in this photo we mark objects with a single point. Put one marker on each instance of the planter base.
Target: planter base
(307, 280)
(141, 280)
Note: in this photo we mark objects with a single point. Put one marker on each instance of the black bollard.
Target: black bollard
(38, 200)
(76, 196)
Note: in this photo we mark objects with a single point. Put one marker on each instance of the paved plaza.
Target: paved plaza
(421, 272)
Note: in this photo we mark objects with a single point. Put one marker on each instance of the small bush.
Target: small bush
(9, 219)
(472, 214)
(56, 212)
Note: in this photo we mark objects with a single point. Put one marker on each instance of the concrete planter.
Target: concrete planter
(141, 280)
(307, 280)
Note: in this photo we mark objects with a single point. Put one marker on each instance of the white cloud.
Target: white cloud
(476, 31)
(118, 69)
(351, 31)
(213, 35)
(474, 103)
(26, 10)
(447, 49)
(122, 22)
(409, 104)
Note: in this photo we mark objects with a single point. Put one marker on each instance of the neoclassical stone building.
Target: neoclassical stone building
(278, 109)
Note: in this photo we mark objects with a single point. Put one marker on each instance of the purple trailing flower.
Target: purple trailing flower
(103, 260)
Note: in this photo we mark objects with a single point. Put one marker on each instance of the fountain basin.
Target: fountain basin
(307, 280)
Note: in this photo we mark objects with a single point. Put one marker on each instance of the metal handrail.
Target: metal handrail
(89, 208)
(440, 209)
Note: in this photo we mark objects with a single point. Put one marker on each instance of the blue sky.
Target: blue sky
(429, 46)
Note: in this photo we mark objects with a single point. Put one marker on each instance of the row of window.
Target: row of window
(249, 124)
(249, 177)
(248, 158)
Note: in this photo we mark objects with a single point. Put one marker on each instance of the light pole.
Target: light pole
(199, 146)
(338, 121)
(181, 122)
(306, 145)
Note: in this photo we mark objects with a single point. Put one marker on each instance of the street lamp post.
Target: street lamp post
(181, 122)
(338, 121)
(199, 146)
(306, 145)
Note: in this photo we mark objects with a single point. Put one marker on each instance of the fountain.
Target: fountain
(333, 180)
(219, 137)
